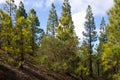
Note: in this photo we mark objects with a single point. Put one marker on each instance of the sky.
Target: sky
(78, 9)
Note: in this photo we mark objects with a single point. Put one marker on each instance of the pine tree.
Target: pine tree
(84, 58)
(111, 54)
(66, 34)
(10, 7)
(21, 11)
(102, 39)
(90, 35)
(66, 27)
(35, 29)
(19, 29)
(1, 19)
(102, 25)
(52, 23)
(6, 37)
(22, 40)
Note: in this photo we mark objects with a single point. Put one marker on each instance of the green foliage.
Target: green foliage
(21, 11)
(19, 64)
(68, 39)
(100, 49)
(50, 49)
(21, 39)
(66, 27)
(90, 35)
(58, 50)
(6, 39)
(58, 54)
(52, 23)
(10, 8)
(84, 59)
(6, 33)
(111, 53)
(36, 31)
(116, 76)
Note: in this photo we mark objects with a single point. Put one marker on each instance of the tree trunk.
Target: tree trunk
(90, 54)
(98, 69)
(21, 50)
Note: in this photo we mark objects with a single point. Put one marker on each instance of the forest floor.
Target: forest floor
(32, 72)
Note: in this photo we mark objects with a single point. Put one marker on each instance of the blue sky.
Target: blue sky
(78, 8)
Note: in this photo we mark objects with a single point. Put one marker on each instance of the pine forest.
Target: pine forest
(55, 52)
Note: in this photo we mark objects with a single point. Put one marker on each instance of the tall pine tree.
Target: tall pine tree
(35, 29)
(10, 8)
(22, 40)
(6, 37)
(111, 54)
(66, 34)
(19, 30)
(21, 11)
(1, 19)
(66, 27)
(102, 40)
(84, 60)
(90, 35)
(52, 23)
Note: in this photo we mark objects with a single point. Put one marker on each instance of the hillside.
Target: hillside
(30, 72)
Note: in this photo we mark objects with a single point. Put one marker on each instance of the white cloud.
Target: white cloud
(38, 4)
(49, 2)
(34, 4)
(16, 1)
(98, 6)
(79, 19)
(2, 1)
